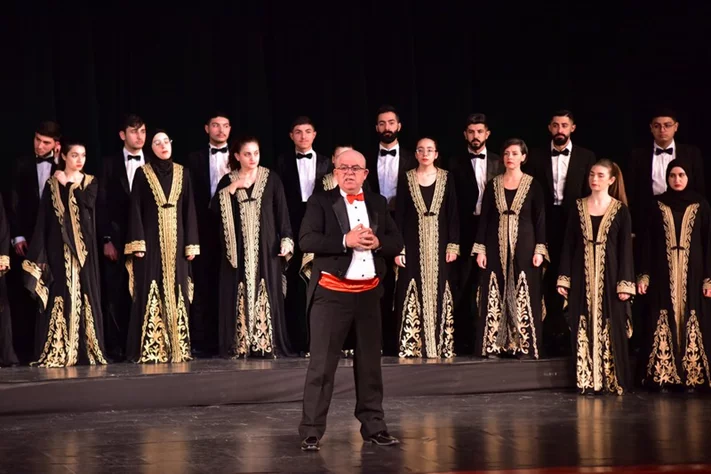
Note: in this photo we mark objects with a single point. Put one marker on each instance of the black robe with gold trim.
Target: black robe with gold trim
(255, 226)
(162, 224)
(511, 231)
(62, 273)
(7, 353)
(429, 223)
(676, 265)
(596, 265)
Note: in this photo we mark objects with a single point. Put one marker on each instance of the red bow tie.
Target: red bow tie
(354, 197)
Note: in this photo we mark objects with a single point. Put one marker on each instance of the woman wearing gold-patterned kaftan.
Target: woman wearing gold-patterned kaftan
(511, 248)
(426, 214)
(62, 268)
(162, 240)
(257, 243)
(675, 271)
(596, 276)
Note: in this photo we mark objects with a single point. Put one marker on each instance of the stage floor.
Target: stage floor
(530, 432)
(218, 382)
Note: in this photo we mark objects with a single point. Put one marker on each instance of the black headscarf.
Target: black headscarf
(160, 166)
(679, 200)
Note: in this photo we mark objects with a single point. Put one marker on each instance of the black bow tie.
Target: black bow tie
(133, 157)
(48, 158)
(473, 156)
(302, 155)
(218, 150)
(668, 151)
(564, 151)
(384, 152)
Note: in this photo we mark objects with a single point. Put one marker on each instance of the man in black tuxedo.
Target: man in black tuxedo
(353, 239)
(114, 199)
(386, 168)
(562, 169)
(207, 166)
(647, 167)
(299, 170)
(28, 179)
(472, 172)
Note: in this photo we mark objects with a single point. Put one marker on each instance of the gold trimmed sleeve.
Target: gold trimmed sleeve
(707, 284)
(478, 248)
(288, 244)
(40, 289)
(134, 246)
(541, 249)
(453, 248)
(644, 280)
(5, 261)
(626, 287)
(563, 281)
(192, 250)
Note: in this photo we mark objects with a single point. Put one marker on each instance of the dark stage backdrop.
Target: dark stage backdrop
(266, 62)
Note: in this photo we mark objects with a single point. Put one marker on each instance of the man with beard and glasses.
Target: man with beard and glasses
(562, 170)
(387, 167)
(471, 171)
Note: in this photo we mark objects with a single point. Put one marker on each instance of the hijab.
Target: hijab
(160, 166)
(679, 200)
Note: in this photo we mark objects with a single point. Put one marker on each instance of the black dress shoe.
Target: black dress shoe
(310, 443)
(383, 438)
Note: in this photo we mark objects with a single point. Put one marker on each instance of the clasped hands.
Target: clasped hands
(362, 238)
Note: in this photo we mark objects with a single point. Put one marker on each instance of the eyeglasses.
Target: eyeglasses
(350, 169)
(658, 126)
(166, 141)
(425, 151)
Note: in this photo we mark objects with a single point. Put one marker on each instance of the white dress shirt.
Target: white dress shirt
(307, 174)
(362, 266)
(560, 172)
(388, 167)
(479, 166)
(219, 166)
(132, 165)
(44, 171)
(659, 168)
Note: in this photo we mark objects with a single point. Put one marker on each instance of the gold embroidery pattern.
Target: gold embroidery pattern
(478, 248)
(71, 268)
(57, 203)
(628, 287)
(288, 245)
(192, 250)
(93, 349)
(182, 354)
(306, 265)
(262, 332)
(329, 182)
(446, 332)
(54, 353)
(608, 363)
(563, 281)
(241, 341)
(695, 361)
(154, 341)
(428, 232)
(76, 225)
(228, 224)
(707, 284)
(191, 289)
(134, 246)
(5, 261)
(493, 318)
(595, 279)
(661, 366)
(643, 280)
(584, 364)
(410, 341)
(525, 324)
(453, 248)
(678, 259)
(541, 249)
(40, 289)
(508, 224)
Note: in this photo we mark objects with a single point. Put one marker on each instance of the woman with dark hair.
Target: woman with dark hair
(426, 214)
(257, 244)
(679, 228)
(62, 267)
(7, 353)
(162, 240)
(596, 278)
(511, 248)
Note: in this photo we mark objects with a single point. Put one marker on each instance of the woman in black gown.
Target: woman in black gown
(511, 248)
(676, 272)
(426, 214)
(162, 240)
(7, 353)
(596, 277)
(257, 243)
(62, 267)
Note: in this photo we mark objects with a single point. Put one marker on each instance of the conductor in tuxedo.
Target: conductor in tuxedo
(28, 179)
(353, 238)
(113, 203)
(299, 170)
(646, 170)
(386, 169)
(472, 172)
(207, 166)
(562, 170)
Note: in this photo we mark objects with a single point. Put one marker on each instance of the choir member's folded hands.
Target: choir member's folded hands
(451, 256)
(537, 260)
(562, 291)
(642, 288)
(623, 296)
(481, 260)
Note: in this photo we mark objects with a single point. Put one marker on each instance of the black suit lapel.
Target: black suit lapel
(323, 164)
(205, 169)
(571, 175)
(548, 170)
(120, 169)
(493, 162)
(372, 215)
(339, 207)
(373, 173)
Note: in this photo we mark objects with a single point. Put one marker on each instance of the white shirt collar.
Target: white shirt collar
(568, 147)
(396, 147)
(126, 153)
(310, 150)
(671, 145)
(344, 194)
(225, 145)
(483, 151)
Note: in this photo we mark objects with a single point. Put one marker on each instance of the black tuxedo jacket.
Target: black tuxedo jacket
(468, 193)
(198, 165)
(576, 181)
(326, 222)
(25, 198)
(406, 163)
(638, 178)
(287, 170)
(114, 200)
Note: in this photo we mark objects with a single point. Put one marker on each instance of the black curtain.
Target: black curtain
(265, 62)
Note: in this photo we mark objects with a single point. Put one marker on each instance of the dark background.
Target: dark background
(266, 62)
